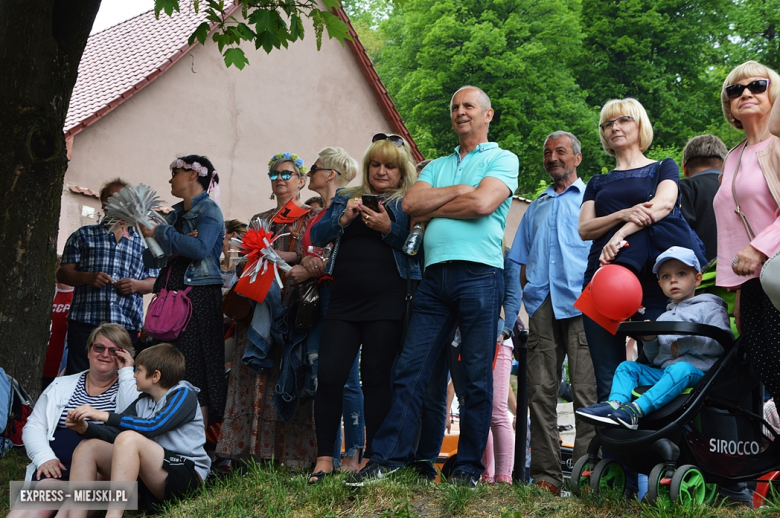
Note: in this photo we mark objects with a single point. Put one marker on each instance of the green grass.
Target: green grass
(265, 490)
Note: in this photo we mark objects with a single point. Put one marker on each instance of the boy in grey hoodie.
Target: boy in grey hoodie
(678, 361)
(158, 440)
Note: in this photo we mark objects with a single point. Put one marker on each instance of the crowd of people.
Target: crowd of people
(393, 324)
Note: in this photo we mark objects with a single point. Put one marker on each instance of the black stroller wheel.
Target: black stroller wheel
(608, 475)
(688, 486)
(580, 484)
(656, 492)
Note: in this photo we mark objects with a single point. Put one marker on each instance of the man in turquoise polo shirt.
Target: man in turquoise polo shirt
(465, 198)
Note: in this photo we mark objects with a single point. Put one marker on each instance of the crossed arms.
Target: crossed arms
(424, 202)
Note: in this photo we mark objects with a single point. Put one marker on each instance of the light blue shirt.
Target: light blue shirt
(548, 243)
(478, 240)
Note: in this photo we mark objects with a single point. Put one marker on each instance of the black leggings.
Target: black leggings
(339, 346)
(760, 330)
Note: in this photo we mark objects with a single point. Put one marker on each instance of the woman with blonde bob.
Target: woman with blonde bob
(619, 206)
(751, 175)
(368, 296)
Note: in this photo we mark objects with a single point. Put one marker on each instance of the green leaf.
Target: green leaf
(245, 32)
(200, 34)
(268, 41)
(296, 28)
(336, 28)
(165, 5)
(235, 56)
(261, 19)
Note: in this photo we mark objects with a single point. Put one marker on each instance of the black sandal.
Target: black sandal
(317, 477)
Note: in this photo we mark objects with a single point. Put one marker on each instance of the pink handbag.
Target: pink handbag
(168, 313)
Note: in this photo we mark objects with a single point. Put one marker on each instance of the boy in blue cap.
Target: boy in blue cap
(678, 362)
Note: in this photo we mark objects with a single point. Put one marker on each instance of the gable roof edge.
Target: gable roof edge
(381, 95)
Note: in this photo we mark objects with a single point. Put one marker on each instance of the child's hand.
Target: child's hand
(87, 412)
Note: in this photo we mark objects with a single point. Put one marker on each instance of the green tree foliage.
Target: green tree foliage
(755, 31)
(550, 65)
(521, 53)
(657, 51)
(365, 16)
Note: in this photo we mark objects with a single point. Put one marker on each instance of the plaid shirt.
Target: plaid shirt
(93, 248)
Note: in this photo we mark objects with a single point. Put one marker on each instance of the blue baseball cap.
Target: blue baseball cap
(682, 254)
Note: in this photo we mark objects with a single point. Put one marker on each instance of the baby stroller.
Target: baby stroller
(712, 435)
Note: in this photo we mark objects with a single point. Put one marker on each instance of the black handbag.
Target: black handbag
(674, 230)
(308, 305)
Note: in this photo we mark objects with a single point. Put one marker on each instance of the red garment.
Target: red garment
(307, 239)
(59, 328)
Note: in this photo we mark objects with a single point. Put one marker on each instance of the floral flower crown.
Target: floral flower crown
(202, 170)
(295, 159)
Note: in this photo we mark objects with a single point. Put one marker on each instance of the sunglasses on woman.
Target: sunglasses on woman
(100, 348)
(395, 139)
(286, 175)
(620, 121)
(314, 169)
(756, 87)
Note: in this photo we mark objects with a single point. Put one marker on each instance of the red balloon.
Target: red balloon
(616, 292)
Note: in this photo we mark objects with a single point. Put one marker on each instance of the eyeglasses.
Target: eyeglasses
(621, 121)
(314, 169)
(286, 175)
(395, 139)
(100, 348)
(756, 87)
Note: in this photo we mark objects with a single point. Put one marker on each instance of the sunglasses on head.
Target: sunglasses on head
(395, 139)
(314, 169)
(286, 175)
(756, 87)
(100, 348)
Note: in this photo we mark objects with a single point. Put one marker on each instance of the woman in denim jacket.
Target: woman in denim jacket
(192, 242)
(371, 278)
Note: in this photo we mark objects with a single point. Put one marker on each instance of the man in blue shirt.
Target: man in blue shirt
(553, 260)
(465, 198)
(109, 278)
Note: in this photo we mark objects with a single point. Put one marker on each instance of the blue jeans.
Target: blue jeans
(352, 410)
(434, 414)
(458, 291)
(667, 383)
(608, 350)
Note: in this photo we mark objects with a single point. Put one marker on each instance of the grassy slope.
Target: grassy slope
(272, 491)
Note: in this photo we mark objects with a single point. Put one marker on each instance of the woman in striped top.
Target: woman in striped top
(107, 385)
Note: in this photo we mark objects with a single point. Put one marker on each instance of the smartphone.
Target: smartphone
(372, 201)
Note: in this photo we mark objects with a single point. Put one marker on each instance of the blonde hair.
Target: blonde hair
(748, 69)
(235, 225)
(114, 332)
(339, 160)
(392, 154)
(628, 106)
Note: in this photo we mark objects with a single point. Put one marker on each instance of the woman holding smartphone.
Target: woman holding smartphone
(371, 279)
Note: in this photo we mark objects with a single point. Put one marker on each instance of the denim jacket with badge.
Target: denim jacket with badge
(203, 251)
(329, 230)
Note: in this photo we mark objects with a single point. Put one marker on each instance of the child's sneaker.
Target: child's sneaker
(627, 415)
(600, 413)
